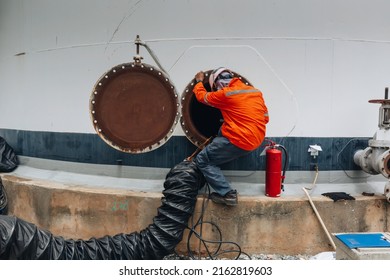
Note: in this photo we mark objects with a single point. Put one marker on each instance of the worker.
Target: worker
(243, 130)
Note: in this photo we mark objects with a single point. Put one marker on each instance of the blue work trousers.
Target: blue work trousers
(218, 152)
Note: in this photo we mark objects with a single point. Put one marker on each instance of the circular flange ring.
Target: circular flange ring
(199, 121)
(384, 163)
(134, 107)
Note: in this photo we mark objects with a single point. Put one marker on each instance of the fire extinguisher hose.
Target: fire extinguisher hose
(286, 160)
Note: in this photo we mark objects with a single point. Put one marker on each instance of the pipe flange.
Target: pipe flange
(384, 164)
(134, 107)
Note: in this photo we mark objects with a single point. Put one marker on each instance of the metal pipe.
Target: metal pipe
(373, 160)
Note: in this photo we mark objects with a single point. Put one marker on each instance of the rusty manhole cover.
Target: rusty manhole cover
(134, 107)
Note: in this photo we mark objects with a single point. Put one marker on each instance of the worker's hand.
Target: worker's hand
(199, 76)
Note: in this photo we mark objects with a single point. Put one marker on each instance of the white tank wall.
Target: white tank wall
(317, 62)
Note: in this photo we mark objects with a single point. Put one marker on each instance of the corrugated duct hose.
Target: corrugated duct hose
(3, 199)
(23, 240)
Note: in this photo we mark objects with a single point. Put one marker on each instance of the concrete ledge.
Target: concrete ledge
(259, 224)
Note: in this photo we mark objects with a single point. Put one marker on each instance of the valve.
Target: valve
(375, 159)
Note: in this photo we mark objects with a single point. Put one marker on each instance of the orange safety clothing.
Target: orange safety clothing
(243, 110)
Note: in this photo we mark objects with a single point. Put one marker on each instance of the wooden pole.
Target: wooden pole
(319, 218)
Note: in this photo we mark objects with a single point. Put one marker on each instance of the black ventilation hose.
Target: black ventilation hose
(3, 199)
(22, 240)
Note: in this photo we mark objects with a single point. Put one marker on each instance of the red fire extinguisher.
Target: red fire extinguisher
(274, 176)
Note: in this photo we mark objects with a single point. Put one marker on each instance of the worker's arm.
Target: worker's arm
(211, 98)
(199, 89)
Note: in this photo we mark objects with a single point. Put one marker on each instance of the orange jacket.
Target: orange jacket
(243, 109)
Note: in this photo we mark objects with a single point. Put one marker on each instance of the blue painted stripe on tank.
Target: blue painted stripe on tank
(337, 152)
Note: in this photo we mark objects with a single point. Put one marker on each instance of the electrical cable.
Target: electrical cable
(267, 64)
(286, 160)
(153, 55)
(212, 253)
(338, 162)
(200, 222)
(138, 42)
(314, 181)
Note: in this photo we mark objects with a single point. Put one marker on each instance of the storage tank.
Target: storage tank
(309, 69)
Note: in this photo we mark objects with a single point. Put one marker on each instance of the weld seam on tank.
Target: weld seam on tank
(23, 240)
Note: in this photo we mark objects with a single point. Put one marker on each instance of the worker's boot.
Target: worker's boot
(228, 199)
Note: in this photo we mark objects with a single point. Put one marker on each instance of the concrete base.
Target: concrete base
(259, 224)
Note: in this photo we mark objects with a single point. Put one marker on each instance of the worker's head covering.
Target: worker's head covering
(220, 78)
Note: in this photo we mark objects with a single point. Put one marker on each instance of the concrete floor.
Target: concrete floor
(81, 201)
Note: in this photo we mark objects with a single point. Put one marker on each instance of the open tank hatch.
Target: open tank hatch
(134, 107)
(199, 121)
